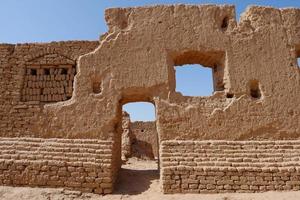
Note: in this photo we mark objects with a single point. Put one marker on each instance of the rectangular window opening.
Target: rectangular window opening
(194, 80)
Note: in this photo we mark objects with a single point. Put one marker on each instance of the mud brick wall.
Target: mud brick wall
(48, 83)
(145, 139)
(126, 136)
(230, 166)
(34, 74)
(83, 165)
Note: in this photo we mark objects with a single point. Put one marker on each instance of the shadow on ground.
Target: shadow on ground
(133, 182)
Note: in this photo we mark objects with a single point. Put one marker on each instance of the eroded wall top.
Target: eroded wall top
(256, 77)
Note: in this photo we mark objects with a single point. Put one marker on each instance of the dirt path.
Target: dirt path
(138, 180)
(138, 177)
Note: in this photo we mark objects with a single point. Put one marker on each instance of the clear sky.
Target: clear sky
(55, 20)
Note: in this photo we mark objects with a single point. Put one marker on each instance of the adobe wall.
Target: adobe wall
(230, 166)
(145, 140)
(158, 38)
(24, 95)
(126, 136)
(256, 82)
(78, 164)
(139, 139)
(32, 77)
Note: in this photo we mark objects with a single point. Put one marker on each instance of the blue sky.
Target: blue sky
(55, 20)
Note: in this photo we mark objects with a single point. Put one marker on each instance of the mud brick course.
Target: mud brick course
(224, 166)
(83, 165)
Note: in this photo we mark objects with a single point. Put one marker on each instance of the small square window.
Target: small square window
(33, 72)
(97, 88)
(194, 80)
(47, 71)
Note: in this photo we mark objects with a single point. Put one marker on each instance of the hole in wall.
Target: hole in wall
(33, 72)
(64, 71)
(229, 95)
(198, 73)
(194, 80)
(298, 62)
(97, 87)
(47, 71)
(255, 91)
(225, 23)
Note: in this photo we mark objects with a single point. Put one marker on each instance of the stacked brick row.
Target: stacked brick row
(83, 165)
(230, 166)
(48, 84)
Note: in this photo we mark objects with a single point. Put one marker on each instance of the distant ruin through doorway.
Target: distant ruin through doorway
(140, 138)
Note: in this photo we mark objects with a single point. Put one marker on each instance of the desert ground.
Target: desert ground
(138, 180)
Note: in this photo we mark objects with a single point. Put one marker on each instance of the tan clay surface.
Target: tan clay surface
(145, 140)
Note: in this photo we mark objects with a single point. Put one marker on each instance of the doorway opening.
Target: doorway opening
(139, 150)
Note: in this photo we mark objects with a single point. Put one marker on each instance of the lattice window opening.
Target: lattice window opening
(48, 83)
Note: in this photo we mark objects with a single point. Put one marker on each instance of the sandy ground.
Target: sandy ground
(138, 180)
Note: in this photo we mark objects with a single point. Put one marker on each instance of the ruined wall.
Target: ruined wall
(126, 136)
(230, 166)
(256, 59)
(83, 165)
(139, 139)
(145, 140)
(31, 76)
(256, 82)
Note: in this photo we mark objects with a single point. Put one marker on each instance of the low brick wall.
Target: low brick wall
(230, 166)
(77, 164)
